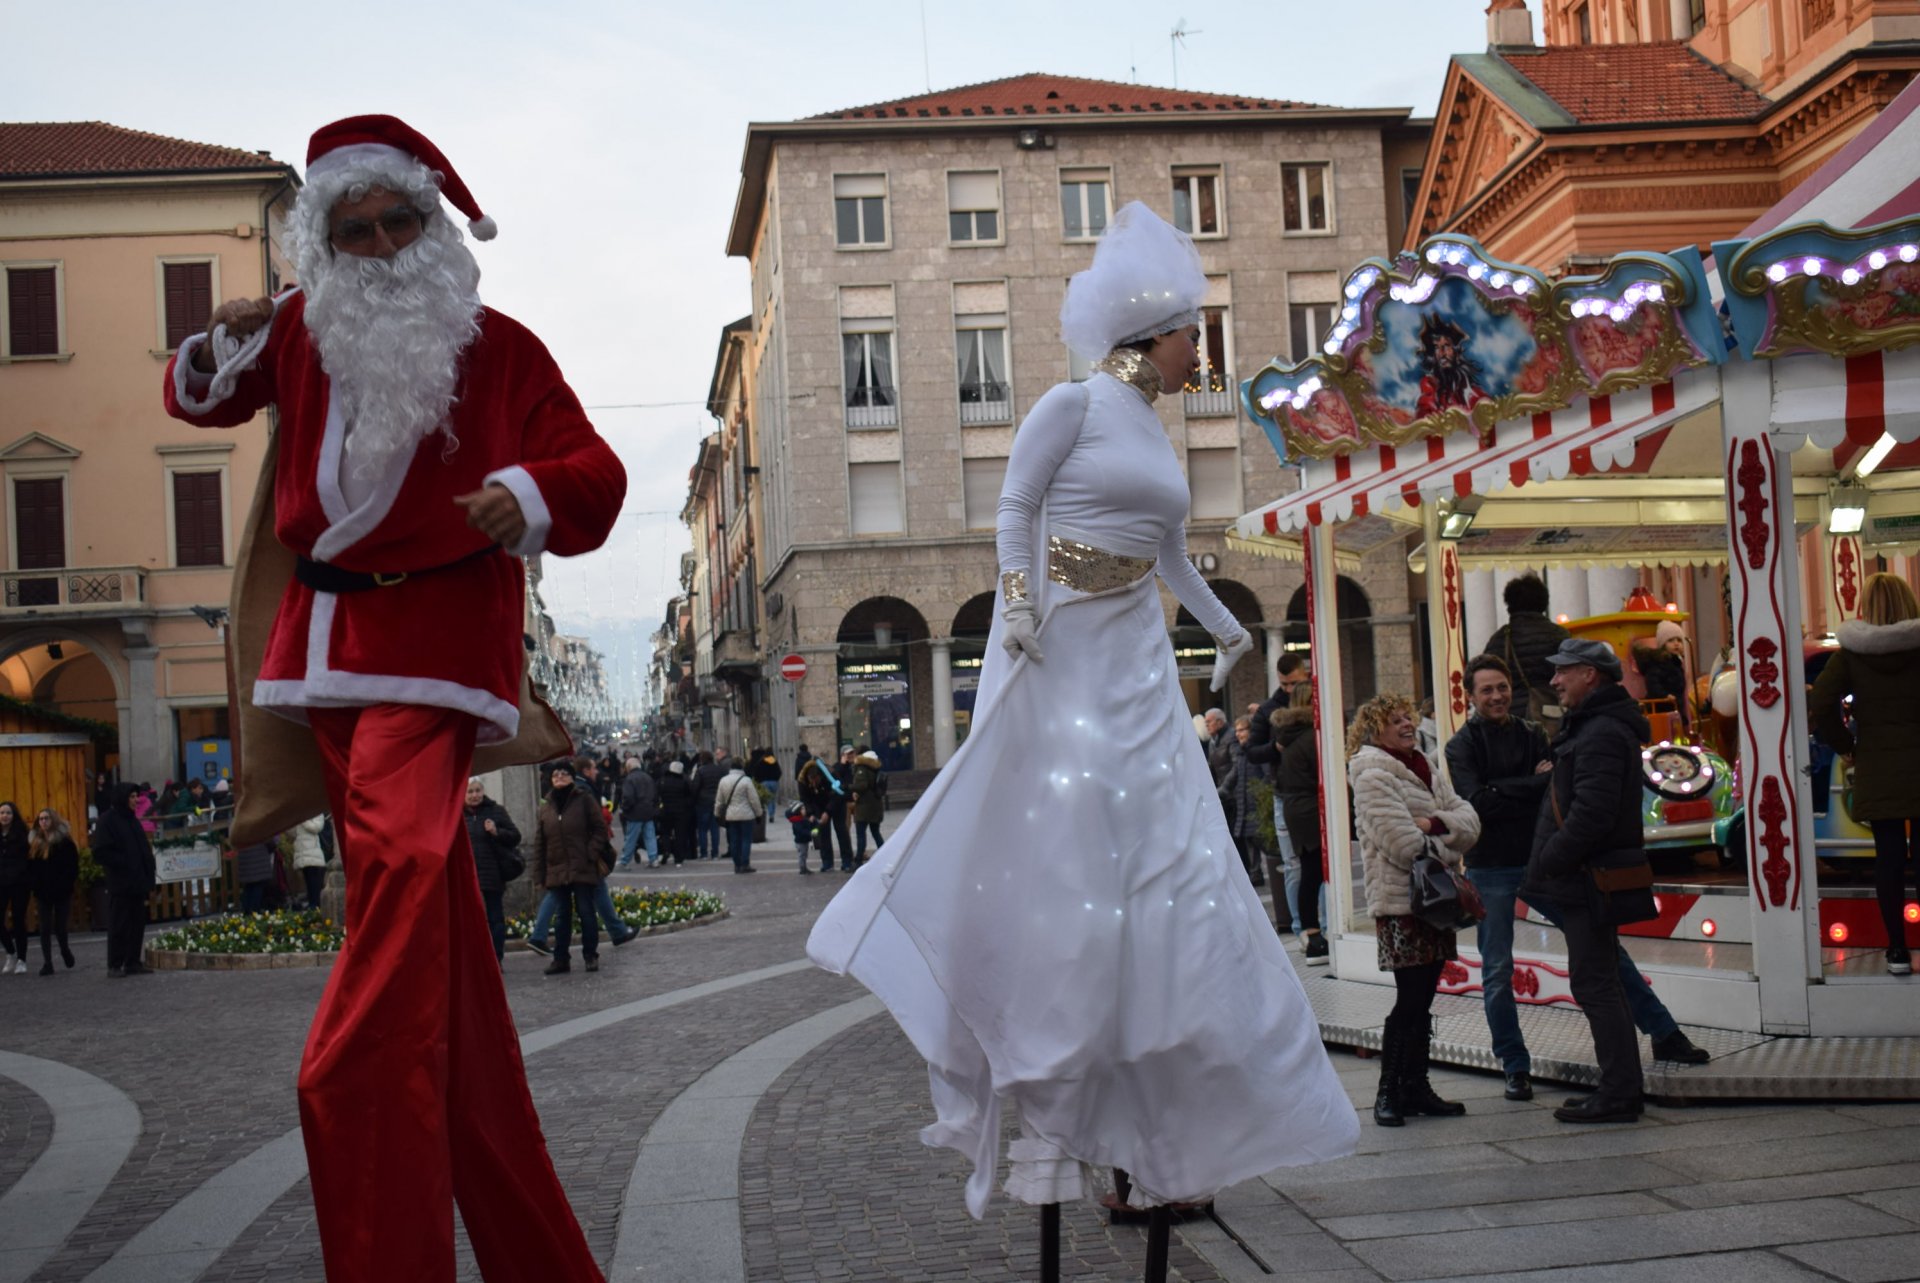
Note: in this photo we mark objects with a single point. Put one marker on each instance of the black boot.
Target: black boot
(1386, 1104)
(1416, 1093)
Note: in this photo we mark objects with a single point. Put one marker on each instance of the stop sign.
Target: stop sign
(793, 668)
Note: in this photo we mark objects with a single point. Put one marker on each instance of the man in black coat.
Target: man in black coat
(1499, 763)
(496, 860)
(675, 814)
(1263, 751)
(712, 768)
(639, 809)
(1592, 810)
(121, 848)
(1524, 642)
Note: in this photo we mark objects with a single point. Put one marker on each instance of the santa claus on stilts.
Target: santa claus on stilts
(425, 444)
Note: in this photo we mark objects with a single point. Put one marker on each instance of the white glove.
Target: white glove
(1225, 657)
(1022, 630)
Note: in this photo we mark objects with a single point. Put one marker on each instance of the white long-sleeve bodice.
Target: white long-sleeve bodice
(1097, 457)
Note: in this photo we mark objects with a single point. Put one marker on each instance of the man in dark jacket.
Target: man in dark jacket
(1593, 808)
(495, 840)
(1264, 752)
(1499, 763)
(707, 775)
(571, 849)
(1524, 642)
(674, 813)
(639, 808)
(121, 848)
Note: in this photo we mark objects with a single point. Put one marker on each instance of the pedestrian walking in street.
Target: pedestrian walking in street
(1059, 924)
(310, 858)
(53, 866)
(570, 846)
(675, 816)
(125, 854)
(15, 889)
(1523, 643)
(496, 857)
(1878, 666)
(1592, 813)
(736, 803)
(253, 869)
(707, 774)
(639, 812)
(1297, 782)
(1403, 808)
(869, 802)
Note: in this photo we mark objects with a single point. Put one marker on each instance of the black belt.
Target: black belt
(324, 577)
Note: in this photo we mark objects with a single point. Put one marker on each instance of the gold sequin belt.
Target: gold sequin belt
(1087, 569)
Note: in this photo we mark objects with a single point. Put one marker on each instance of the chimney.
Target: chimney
(1509, 24)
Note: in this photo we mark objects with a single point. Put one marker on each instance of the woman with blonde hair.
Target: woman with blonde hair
(53, 866)
(1403, 808)
(1878, 666)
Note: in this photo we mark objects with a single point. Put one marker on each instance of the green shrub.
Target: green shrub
(282, 931)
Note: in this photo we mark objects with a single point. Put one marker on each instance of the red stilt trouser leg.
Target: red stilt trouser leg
(412, 1092)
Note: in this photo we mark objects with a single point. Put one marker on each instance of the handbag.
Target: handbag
(1441, 897)
(1622, 880)
(512, 864)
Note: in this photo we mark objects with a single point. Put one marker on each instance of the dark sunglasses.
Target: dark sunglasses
(401, 223)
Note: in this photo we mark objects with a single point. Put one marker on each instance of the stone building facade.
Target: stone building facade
(908, 265)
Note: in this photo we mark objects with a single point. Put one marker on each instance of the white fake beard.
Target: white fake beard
(390, 332)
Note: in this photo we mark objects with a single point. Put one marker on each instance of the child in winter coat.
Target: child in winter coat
(803, 832)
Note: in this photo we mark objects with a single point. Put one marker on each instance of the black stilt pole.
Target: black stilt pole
(1159, 1231)
(1050, 1243)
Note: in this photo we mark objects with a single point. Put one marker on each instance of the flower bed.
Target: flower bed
(648, 910)
(247, 941)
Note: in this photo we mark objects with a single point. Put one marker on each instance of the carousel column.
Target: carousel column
(1276, 647)
(1336, 841)
(1446, 619)
(1845, 576)
(1567, 594)
(943, 737)
(1773, 721)
(1483, 608)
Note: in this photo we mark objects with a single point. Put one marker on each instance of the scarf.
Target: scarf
(1413, 761)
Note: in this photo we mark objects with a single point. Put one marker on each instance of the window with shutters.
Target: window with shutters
(1306, 198)
(1307, 325)
(1213, 481)
(981, 481)
(973, 207)
(873, 493)
(860, 211)
(40, 523)
(187, 288)
(199, 520)
(33, 300)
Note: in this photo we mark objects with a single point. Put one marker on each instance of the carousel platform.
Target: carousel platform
(1745, 1066)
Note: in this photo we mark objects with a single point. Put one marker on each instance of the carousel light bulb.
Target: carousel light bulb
(1476, 270)
(1811, 267)
(1579, 307)
(1523, 285)
(1850, 277)
(1655, 292)
(1330, 347)
(1634, 293)
(1350, 313)
(1353, 289)
(1499, 280)
(1838, 933)
(1877, 260)
(1433, 255)
(1777, 273)
(1618, 313)
(1909, 252)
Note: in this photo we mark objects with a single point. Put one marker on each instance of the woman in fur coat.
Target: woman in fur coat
(1403, 807)
(1878, 664)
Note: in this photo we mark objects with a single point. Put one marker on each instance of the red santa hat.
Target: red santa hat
(359, 140)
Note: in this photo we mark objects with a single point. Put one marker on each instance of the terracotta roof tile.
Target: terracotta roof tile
(1627, 84)
(91, 147)
(1039, 94)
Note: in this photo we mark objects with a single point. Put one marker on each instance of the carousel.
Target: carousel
(1739, 430)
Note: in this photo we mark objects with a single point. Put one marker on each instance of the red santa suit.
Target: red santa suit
(412, 1092)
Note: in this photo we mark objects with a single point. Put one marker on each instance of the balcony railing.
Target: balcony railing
(986, 403)
(872, 408)
(92, 589)
(1209, 403)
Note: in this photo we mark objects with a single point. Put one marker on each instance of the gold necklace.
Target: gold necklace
(1130, 366)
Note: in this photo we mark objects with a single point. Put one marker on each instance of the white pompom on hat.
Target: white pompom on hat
(1667, 631)
(1146, 279)
(359, 139)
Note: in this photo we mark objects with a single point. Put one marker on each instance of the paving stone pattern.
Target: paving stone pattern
(834, 1184)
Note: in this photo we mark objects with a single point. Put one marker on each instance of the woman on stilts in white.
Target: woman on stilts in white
(1061, 925)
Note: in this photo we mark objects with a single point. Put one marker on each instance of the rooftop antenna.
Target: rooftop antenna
(926, 65)
(1176, 39)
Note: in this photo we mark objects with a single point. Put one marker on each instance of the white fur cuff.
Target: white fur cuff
(532, 506)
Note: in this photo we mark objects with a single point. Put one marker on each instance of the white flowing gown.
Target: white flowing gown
(1062, 922)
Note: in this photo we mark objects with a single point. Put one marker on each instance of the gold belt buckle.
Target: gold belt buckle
(387, 581)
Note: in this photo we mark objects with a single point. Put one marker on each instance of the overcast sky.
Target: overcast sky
(605, 138)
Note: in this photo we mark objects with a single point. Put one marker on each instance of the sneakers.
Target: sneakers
(1899, 962)
(1679, 1049)
(19, 966)
(540, 947)
(1316, 950)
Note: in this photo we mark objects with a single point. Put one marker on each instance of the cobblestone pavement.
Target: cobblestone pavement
(833, 1183)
